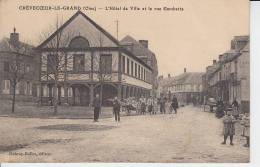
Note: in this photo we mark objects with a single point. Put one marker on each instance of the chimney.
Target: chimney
(214, 62)
(185, 70)
(14, 38)
(144, 43)
(220, 57)
(169, 75)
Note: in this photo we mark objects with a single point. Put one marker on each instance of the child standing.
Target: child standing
(246, 128)
(228, 127)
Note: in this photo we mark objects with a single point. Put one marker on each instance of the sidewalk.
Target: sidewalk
(64, 112)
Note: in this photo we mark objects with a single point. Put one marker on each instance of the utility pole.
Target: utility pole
(117, 29)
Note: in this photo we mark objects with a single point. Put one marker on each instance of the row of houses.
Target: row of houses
(187, 87)
(228, 78)
(89, 61)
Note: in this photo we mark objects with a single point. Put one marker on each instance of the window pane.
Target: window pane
(128, 66)
(78, 62)
(106, 63)
(51, 63)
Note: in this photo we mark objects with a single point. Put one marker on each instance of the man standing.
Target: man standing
(150, 104)
(97, 106)
(162, 105)
(175, 104)
(116, 109)
(143, 105)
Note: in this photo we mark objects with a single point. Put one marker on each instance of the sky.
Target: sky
(190, 39)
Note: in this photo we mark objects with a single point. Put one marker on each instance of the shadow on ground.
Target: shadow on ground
(76, 127)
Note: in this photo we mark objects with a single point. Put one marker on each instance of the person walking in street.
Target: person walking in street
(97, 106)
(228, 128)
(150, 104)
(162, 105)
(175, 104)
(143, 105)
(155, 106)
(246, 128)
(116, 109)
(138, 108)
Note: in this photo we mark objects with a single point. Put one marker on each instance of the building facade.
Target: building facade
(141, 50)
(187, 87)
(93, 62)
(229, 77)
(18, 63)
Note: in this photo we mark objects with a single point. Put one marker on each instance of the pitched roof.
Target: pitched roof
(70, 20)
(184, 78)
(23, 48)
(138, 49)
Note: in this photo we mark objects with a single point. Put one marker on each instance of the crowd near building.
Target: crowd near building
(228, 78)
(89, 61)
(187, 87)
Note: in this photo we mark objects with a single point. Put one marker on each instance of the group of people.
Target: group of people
(231, 116)
(229, 127)
(141, 105)
(222, 109)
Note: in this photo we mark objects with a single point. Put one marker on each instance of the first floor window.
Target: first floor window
(123, 62)
(132, 68)
(127, 66)
(79, 62)
(106, 64)
(51, 63)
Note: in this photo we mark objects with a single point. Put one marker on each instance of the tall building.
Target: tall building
(141, 50)
(18, 63)
(93, 61)
(229, 77)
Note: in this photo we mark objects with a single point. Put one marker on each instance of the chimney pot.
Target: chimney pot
(185, 70)
(169, 75)
(214, 62)
(144, 43)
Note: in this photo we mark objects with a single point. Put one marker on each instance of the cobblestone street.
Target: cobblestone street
(190, 136)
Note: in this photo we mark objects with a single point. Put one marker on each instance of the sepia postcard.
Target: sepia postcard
(130, 81)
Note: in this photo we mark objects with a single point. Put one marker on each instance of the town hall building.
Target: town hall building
(90, 60)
